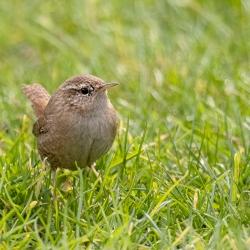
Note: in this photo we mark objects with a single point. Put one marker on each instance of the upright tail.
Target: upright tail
(38, 96)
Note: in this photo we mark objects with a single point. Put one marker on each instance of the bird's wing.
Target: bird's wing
(40, 126)
(38, 96)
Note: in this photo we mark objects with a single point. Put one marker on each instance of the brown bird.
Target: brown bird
(76, 125)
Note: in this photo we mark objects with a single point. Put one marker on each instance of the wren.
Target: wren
(76, 125)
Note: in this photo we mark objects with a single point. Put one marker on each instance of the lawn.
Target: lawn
(178, 173)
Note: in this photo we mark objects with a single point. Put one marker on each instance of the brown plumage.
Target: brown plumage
(38, 96)
(76, 125)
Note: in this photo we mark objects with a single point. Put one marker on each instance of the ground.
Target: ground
(177, 176)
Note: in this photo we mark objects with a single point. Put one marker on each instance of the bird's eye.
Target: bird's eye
(85, 91)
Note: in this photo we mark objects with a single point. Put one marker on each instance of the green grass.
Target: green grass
(178, 174)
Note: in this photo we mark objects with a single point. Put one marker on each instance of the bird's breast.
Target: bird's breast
(80, 137)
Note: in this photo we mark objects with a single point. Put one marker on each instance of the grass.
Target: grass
(177, 176)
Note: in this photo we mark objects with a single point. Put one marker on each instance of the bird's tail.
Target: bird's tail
(38, 96)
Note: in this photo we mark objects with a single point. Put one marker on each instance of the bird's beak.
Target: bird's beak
(108, 85)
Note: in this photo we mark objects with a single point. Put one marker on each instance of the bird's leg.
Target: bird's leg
(53, 177)
(92, 166)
